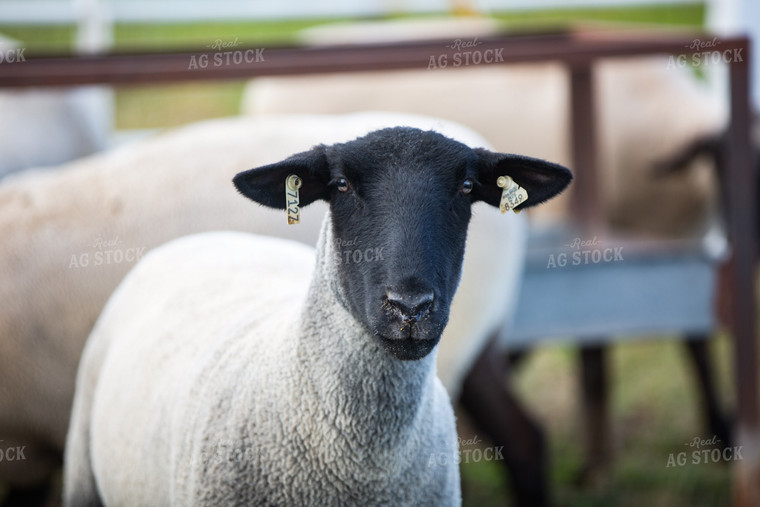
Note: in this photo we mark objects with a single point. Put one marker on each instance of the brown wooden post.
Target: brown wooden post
(587, 214)
(585, 187)
(742, 227)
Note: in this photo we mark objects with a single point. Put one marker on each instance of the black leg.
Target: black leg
(714, 418)
(34, 496)
(595, 414)
(498, 414)
(516, 357)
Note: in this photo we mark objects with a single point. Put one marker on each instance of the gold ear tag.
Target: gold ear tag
(292, 184)
(512, 194)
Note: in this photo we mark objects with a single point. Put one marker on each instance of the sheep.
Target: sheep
(713, 148)
(324, 379)
(46, 127)
(60, 244)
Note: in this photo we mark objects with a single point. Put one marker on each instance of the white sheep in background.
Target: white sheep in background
(70, 235)
(46, 127)
(323, 383)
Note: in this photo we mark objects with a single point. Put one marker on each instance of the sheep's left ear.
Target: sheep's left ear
(542, 180)
(266, 184)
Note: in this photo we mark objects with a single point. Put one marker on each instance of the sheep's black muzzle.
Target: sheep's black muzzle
(411, 323)
(409, 349)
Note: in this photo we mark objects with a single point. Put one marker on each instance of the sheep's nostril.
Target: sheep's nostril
(410, 307)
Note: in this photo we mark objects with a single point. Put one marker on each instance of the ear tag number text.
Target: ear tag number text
(292, 184)
(512, 194)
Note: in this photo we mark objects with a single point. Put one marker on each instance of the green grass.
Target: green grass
(164, 36)
(148, 37)
(176, 104)
(42, 39)
(45, 39)
(653, 413)
(683, 15)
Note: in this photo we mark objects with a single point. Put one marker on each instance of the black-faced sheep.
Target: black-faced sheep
(324, 381)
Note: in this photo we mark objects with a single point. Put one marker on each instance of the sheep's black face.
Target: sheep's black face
(400, 201)
(400, 205)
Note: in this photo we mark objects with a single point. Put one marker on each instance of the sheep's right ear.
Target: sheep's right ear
(266, 184)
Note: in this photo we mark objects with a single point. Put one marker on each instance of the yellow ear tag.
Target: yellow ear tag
(292, 184)
(512, 194)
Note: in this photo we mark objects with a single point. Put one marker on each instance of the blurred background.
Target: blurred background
(54, 27)
(653, 399)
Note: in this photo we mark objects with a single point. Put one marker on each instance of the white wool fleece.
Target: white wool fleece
(224, 371)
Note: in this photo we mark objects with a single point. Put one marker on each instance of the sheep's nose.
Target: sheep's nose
(410, 307)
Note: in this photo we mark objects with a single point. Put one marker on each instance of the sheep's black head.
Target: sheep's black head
(400, 202)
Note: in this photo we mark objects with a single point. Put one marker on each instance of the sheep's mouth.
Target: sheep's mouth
(409, 339)
(408, 348)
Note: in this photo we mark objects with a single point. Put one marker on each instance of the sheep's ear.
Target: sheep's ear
(266, 184)
(542, 180)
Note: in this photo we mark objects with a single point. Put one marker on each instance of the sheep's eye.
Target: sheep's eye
(467, 186)
(342, 184)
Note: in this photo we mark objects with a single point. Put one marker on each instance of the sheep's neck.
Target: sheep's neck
(362, 393)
